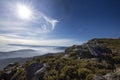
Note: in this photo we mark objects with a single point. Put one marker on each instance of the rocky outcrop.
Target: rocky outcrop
(113, 76)
(38, 75)
(99, 78)
(109, 76)
(9, 71)
(92, 49)
(31, 70)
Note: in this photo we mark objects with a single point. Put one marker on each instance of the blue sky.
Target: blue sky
(58, 22)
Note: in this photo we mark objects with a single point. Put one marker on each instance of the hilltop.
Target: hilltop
(98, 59)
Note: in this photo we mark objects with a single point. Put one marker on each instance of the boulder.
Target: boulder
(31, 69)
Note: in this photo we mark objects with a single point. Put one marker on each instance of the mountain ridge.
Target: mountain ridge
(77, 62)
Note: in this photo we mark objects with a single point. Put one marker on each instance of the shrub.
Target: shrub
(90, 76)
(83, 72)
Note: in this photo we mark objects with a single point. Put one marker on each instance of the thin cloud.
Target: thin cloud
(45, 42)
(53, 22)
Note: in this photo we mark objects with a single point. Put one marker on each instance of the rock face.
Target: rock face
(87, 51)
(113, 76)
(39, 73)
(79, 51)
(109, 76)
(99, 78)
(9, 71)
(30, 70)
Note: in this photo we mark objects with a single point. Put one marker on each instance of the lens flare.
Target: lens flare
(24, 11)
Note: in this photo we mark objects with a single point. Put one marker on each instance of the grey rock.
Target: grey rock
(30, 70)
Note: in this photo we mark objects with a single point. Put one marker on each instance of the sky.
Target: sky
(57, 22)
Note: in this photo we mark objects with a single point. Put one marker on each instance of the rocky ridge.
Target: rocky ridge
(95, 60)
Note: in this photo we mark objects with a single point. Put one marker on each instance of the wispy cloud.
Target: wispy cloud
(44, 26)
(53, 22)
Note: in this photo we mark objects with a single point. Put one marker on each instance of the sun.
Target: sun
(23, 11)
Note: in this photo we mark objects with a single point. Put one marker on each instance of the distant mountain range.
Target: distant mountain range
(22, 55)
(28, 52)
(18, 53)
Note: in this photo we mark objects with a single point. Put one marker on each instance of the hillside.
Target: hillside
(98, 59)
(18, 53)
